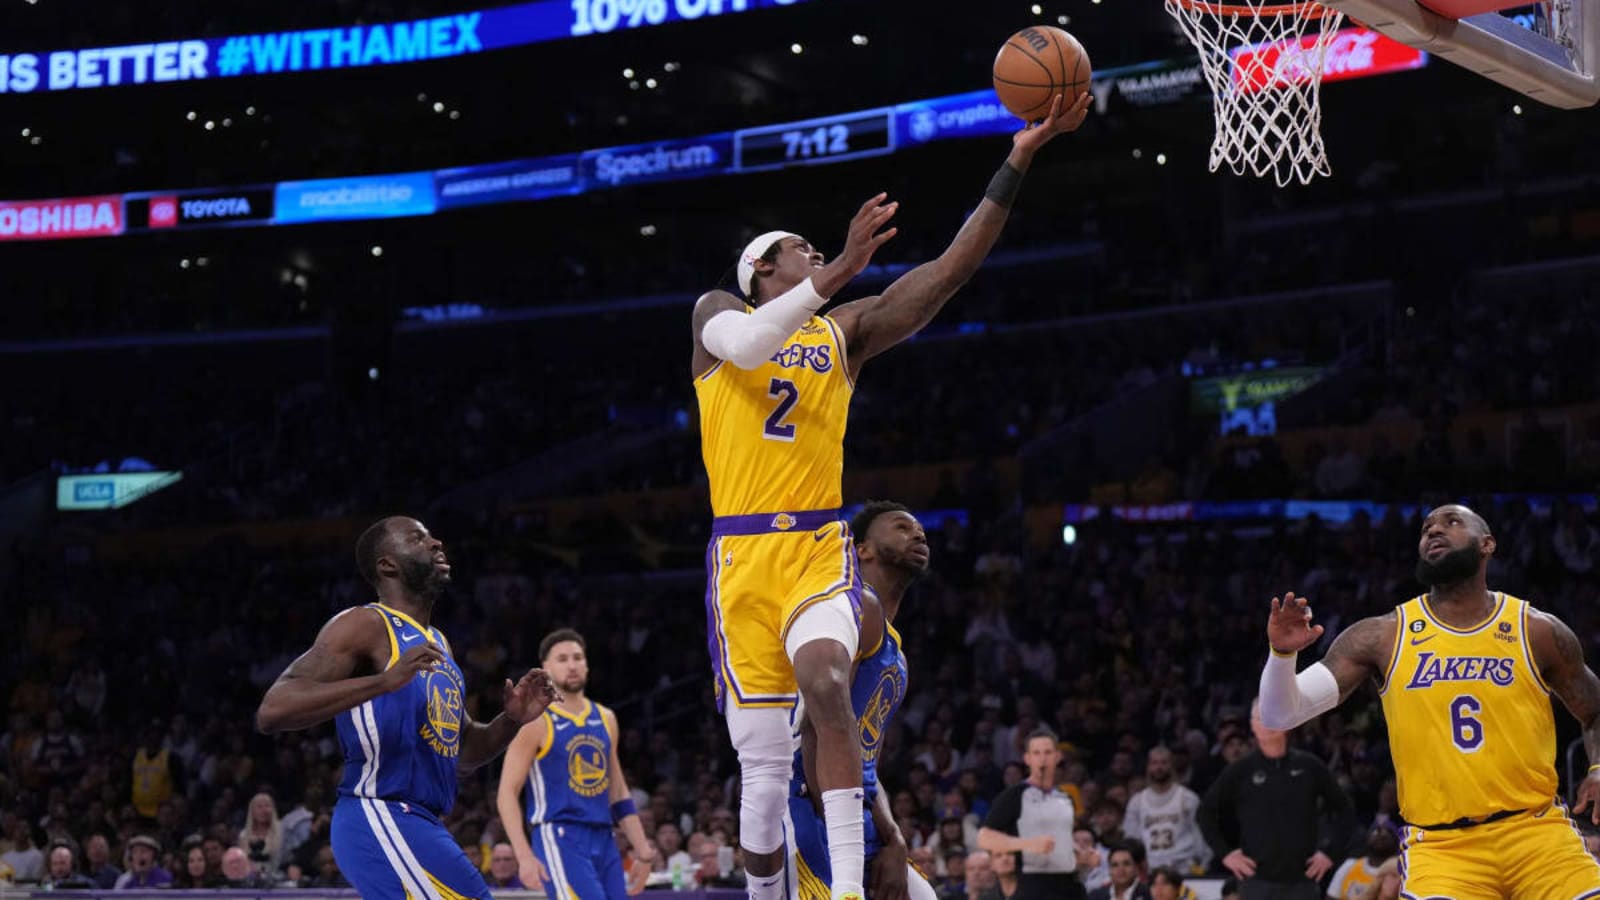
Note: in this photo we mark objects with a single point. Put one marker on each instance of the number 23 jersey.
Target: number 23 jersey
(773, 436)
(1470, 724)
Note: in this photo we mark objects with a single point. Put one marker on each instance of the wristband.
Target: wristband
(622, 809)
(1005, 184)
(1595, 766)
(1279, 653)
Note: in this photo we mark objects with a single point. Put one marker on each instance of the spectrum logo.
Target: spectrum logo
(163, 212)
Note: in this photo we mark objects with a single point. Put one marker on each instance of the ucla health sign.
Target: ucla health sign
(319, 49)
(109, 490)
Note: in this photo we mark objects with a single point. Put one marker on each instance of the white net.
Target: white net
(1264, 63)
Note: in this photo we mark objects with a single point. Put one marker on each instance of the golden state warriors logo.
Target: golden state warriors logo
(885, 694)
(442, 730)
(784, 521)
(586, 766)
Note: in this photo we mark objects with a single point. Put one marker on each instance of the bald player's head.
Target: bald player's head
(1455, 545)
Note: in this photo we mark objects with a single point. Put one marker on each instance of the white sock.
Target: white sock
(768, 887)
(842, 810)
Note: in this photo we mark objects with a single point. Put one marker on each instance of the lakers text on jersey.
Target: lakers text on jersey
(1473, 739)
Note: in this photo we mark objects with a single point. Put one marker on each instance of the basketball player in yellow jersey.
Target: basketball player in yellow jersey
(774, 380)
(1465, 674)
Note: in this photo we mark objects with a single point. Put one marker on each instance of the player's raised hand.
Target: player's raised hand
(1063, 117)
(866, 232)
(1289, 628)
(421, 658)
(528, 698)
(1589, 796)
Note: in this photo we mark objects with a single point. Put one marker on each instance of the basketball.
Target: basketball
(1035, 65)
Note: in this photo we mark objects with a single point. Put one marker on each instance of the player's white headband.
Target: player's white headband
(753, 252)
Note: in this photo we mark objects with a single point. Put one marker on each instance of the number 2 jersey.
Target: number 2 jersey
(1471, 729)
(773, 436)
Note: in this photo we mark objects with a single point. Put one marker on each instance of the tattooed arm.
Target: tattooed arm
(1361, 653)
(1559, 656)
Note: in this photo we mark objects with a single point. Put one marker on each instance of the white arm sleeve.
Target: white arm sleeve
(1289, 700)
(747, 341)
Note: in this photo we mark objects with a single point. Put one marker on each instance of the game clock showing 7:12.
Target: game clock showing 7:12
(817, 140)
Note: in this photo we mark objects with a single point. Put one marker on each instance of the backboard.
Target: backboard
(1548, 50)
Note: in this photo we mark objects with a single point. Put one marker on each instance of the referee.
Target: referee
(1033, 819)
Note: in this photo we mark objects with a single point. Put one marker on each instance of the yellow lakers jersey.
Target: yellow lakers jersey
(773, 436)
(1470, 725)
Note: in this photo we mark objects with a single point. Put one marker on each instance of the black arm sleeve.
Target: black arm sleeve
(1216, 809)
(1338, 838)
(1006, 810)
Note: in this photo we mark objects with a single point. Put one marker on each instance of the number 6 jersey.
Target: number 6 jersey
(1470, 724)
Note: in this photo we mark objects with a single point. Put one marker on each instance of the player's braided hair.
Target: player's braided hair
(869, 514)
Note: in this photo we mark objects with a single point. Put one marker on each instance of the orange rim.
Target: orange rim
(1306, 10)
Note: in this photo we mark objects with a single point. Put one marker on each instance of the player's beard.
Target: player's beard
(423, 578)
(1452, 568)
(913, 567)
(574, 685)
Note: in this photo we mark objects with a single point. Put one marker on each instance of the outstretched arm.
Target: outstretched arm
(1357, 655)
(874, 324)
(317, 686)
(1559, 656)
(524, 701)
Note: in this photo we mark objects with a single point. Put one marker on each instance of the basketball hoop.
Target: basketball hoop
(1264, 63)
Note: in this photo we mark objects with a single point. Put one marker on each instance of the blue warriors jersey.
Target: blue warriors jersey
(876, 692)
(402, 746)
(875, 695)
(570, 779)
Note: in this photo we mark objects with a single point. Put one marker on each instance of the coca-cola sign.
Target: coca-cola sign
(1352, 53)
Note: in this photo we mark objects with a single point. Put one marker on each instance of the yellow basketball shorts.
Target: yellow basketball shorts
(1534, 855)
(762, 572)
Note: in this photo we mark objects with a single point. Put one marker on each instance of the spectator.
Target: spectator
(978, 870)
(97, 853)
(953, 884)
(143, 873)
(193, 874)
(326, 867)
(1125, 883)
(1084, 840)
(1357, 878)
(240, 873)
(58, 756)
(1163, 817)
(1388, 886)
(295, 826)
(1263, 815)
(262, 836)
(25, 859)
(62, 873)
(1035, 818)
(1166, 884)
(503, 868)
(1005, 878)
(155, 774)
(672, 858)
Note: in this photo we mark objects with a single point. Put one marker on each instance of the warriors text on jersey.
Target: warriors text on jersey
(570, 779)
(1470, 725)
(773, 436)
(403, 745)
